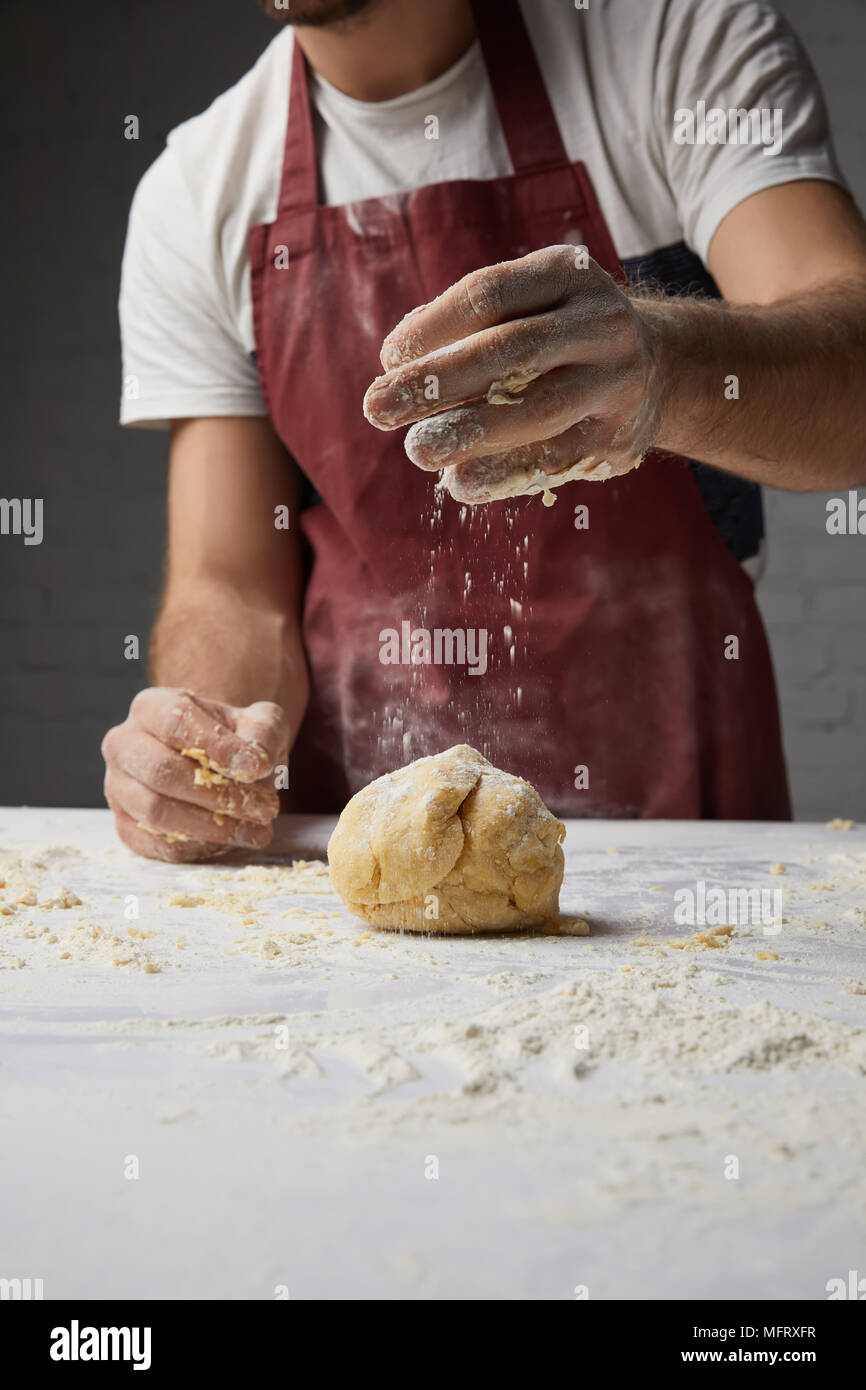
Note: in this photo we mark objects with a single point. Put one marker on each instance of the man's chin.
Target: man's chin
(315, 14)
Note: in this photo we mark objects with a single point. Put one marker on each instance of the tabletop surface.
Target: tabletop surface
(215, 1082)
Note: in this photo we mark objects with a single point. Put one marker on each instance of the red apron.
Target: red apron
(606, 646)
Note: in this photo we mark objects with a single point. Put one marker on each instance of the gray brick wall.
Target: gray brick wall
(74, 73)
(813, 594)
(66, 606)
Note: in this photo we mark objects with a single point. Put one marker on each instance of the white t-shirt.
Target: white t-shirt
(616, 73)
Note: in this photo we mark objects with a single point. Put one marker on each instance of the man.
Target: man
(539, 178)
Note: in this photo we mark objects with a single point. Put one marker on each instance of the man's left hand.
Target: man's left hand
(523, 370)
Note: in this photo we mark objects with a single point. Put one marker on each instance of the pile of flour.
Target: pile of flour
(668, 1018)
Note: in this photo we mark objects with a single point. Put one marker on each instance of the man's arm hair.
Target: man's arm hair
(791, 330)
(229, 623)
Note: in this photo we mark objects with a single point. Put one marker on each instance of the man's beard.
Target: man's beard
(315, 14)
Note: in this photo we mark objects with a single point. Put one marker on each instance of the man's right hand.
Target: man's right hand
(162, 809)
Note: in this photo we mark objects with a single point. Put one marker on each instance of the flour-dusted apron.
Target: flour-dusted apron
(631, 648)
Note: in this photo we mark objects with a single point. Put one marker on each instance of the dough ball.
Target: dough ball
(448, 844)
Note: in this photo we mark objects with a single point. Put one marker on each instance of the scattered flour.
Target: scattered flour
(618, 1070)
(29, 892)
(554, 1016)
(664, 1018)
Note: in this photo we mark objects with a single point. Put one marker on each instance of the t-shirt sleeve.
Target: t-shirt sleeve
(182, 353)
(735, 55)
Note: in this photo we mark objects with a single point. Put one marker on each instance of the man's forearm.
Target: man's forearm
(210, 639)
(774, 393)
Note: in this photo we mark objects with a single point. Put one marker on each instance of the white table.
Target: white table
(306, 1164)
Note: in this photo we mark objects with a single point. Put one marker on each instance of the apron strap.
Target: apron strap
(522, 104)
(299, 183)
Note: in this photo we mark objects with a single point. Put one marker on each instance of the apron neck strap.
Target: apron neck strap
(522, 104)
(299, 183)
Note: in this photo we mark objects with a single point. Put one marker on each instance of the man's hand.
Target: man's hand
(189, 778)
(518, 373)
(766, 384)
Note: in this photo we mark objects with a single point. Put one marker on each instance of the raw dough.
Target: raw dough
(448, 844)
(163, 834)
(509, 390)
(208, 773)
(482, 479)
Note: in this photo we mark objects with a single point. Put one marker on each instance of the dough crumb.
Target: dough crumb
(778, 869)
(713, 939)
(64, 898)
(837, 823)
(208, 773)
(508, 390)
(572, 926)
(163, 834)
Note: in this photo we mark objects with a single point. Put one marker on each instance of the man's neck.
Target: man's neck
(394, 47)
